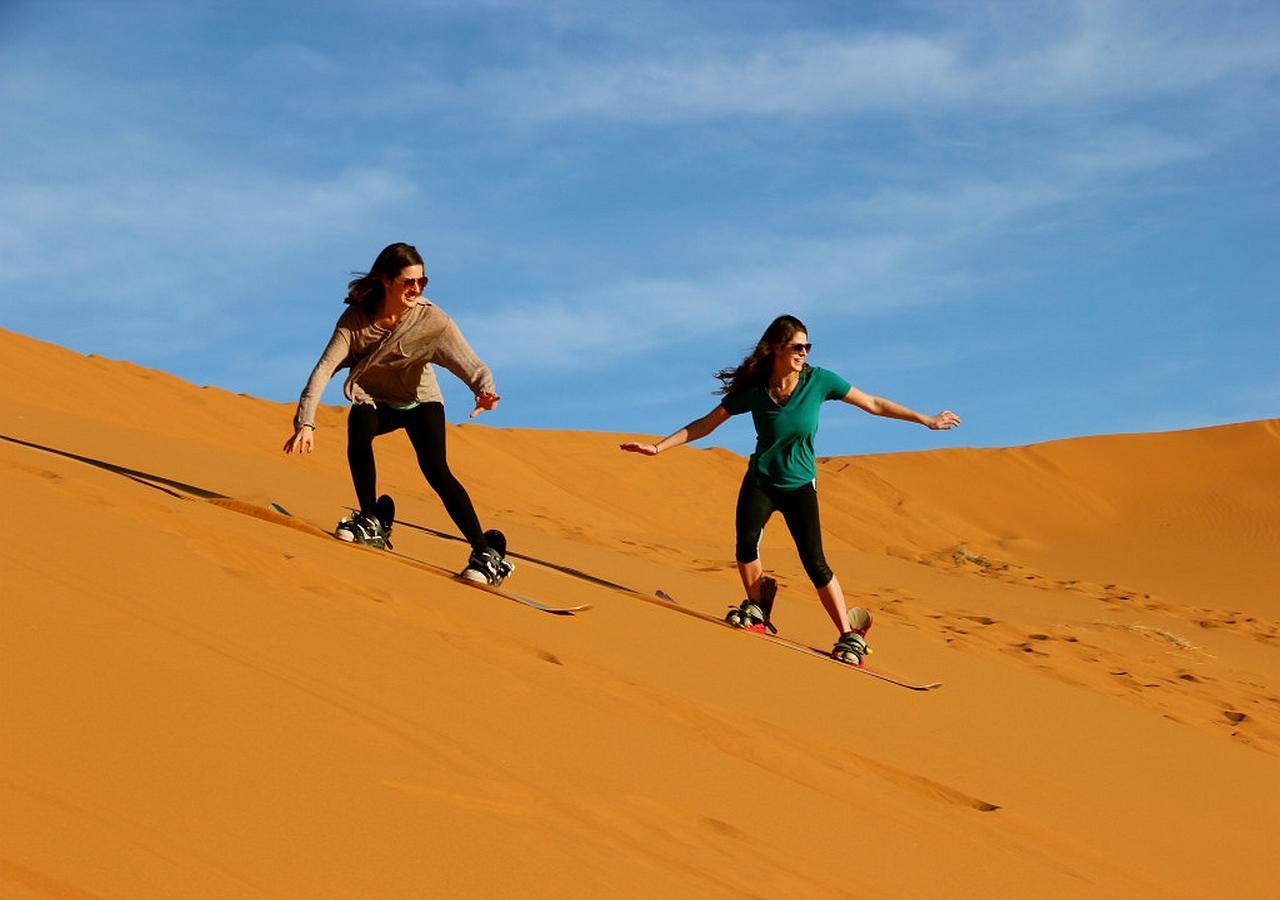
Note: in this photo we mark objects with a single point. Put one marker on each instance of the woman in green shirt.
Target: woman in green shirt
(784, 395)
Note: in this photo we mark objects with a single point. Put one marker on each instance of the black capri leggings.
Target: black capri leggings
(800, 510)
(425, 426)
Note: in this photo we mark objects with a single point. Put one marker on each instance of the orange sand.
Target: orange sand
(199, 703)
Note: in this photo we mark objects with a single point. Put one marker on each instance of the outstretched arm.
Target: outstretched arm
(879, 406)
(699, 428)
(454, 353)
(303, 439)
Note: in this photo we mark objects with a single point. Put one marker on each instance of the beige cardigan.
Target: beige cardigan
(394, 365)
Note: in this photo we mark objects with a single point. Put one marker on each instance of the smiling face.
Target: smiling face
(404, 290)
(791, 355)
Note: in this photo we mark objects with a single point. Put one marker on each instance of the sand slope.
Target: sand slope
(197, 702)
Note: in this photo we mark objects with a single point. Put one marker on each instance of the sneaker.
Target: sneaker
(754, 615)
(361, 529)
(345, 530)
(851, 648)
(487, 566)
(749, 615)
(490, 566)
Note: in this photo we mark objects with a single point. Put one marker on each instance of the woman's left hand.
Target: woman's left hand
(484, 402)
(943, 421)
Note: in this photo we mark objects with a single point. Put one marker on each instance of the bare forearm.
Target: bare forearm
(672, 440)
(880, 406)
(690, 432)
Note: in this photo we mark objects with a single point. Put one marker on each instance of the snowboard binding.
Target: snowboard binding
(385, 510)
(372, 531)
(852, 647)
(755, 615)
(490, 566)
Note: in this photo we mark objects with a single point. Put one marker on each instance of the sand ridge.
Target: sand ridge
(202, 703)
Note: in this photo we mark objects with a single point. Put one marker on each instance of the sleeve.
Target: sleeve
(455, 354)
(332, 359)
(836, 387)
(736, 403)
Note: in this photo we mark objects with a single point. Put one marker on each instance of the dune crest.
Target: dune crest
(199, 702)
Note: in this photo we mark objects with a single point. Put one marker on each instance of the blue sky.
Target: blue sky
(1058, 219)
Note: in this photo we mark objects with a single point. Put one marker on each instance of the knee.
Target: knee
(359, 448)
(819, 572)
(436, 472)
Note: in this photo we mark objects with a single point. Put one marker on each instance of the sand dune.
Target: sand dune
(199, 702)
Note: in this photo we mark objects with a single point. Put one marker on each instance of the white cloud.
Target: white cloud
(956, 204)
(791, 75)
(633, 317)
(289, 61)
(224, 210)
(1128, 149)
(1099, 53)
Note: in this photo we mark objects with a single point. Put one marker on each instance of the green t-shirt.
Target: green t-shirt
(784, 434)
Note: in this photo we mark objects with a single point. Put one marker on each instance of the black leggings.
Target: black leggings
(425, 425)
(800, 510)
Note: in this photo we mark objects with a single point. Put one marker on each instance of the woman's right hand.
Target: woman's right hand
(301, 441)
(943, 421)
(645, 449)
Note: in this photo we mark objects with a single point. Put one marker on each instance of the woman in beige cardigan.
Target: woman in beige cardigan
(389, 337)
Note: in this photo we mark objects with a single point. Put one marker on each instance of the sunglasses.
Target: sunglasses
(420, 283)
(799, 348)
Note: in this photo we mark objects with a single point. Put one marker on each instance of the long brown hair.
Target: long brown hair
(759, 362)
(366, 290)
